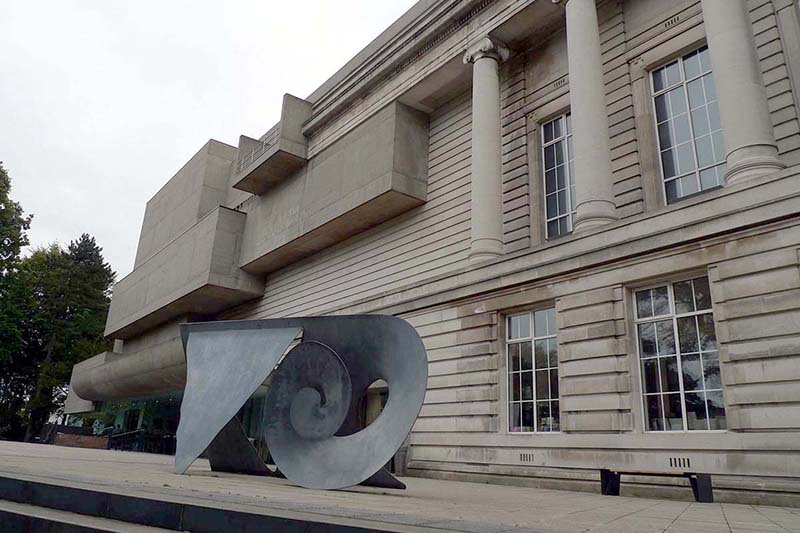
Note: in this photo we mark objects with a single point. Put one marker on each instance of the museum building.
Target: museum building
(589, 211)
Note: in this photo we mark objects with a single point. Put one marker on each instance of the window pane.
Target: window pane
(711, 370)
(669, 374)
(691, 66)
(705, 151)
(527, 416)
(677, 101)
(659, 80)
(687, 334)
(689, 185)
(719, 146)
(561, 177)
(716, 410)
(673, 412)
(700, 122)
(527, 385)
(552, 229)
(513, 417)
(569, 123)
(513, 357)
(644, 304)
(684, 301)
(555, 416)
(665, 135)
(673, 74)
(708, 337)
(542, 385)
(702, 293)
(696, 411)
(650, 374)
(543, 416)
(550, 181)
(660, 301)
(559, 152)
(709, 179)
(665, 337)
(713, 116)
(647, 340)
(654, 414)
(711, 89)
(669, 162)
(520, 326)
(685, 159)
(662, 108)
(525, 355)
(673, 193)
(681, 127)
(548, 132)
(540, 353)
(513, 384)
(552, 349)
(550, 156)
(692, 374)
(705, 60)
(557, 129)
(554, 384)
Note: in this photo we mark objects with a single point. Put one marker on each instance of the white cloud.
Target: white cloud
(101, 102)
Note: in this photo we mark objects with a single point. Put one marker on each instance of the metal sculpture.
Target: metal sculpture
(312, 429)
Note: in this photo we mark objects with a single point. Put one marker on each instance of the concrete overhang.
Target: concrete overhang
(197, 272)
(262, 163)
(374, 173)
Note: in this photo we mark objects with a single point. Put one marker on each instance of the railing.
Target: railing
(269, 140)
(140, 441)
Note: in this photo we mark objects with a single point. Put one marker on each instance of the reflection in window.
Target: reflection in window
(679, 357)
(559, 176)
(689, 132)
(533, 372)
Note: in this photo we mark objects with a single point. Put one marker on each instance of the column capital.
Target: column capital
(486, 47)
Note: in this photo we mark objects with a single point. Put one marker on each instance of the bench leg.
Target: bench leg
(609, 483)
(701, 487)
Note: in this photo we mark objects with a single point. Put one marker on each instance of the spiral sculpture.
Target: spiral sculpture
(312, 427)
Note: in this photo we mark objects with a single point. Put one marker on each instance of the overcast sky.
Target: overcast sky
(102, 101)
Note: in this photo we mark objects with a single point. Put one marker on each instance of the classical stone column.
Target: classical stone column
(744, 114)
(487, 181)
(594, 185)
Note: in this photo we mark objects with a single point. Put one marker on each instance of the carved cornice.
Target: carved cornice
(486, 47)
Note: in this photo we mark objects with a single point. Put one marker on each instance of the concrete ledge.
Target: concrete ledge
(197, 272)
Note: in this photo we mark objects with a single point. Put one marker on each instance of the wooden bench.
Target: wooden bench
(701, 483)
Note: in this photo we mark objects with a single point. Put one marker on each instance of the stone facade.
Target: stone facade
(427, 188)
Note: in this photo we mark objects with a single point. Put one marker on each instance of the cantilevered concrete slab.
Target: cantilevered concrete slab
(194, 273)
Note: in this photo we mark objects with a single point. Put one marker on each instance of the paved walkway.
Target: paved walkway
(427, 505)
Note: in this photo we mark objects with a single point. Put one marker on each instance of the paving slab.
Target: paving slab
(426, 505)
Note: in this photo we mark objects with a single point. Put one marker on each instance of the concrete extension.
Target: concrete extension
(427, 505)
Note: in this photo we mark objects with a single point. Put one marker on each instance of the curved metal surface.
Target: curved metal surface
(311, 430)
(223, 369)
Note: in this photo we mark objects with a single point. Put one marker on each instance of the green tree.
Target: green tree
(71, 295)
(15, 370)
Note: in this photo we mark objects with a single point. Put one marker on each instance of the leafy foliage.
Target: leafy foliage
(53, 307)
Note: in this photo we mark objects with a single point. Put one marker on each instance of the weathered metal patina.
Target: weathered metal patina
(313, 430)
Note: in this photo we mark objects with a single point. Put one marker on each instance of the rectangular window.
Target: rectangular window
(689, 131)
(679, 359)
(559, 176)
(532, 372)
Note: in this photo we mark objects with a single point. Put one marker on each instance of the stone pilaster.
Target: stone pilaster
(594, 185)
(746, 125)
(487, 182)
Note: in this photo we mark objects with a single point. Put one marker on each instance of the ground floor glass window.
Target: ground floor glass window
(679, 359)
(532, 352)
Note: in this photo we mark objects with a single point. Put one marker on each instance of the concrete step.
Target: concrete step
(24, 518)
(33, 506)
